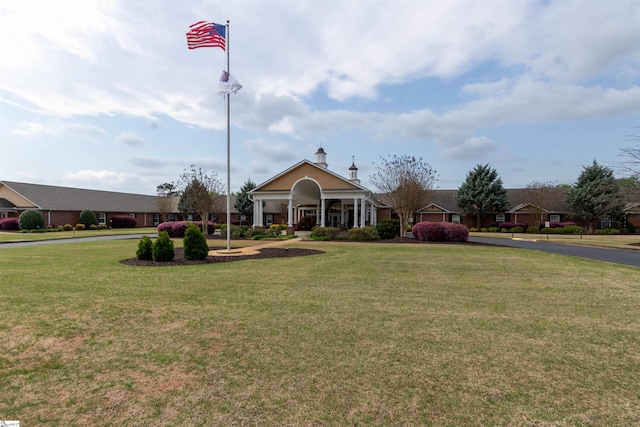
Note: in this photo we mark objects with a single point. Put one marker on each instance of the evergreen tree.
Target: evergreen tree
(595, 195)
(195, 244)
(88, 218)
(31, 219)
(482, 193)
(243, 204)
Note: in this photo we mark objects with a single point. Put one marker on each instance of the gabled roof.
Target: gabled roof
(343, 183)
(49, 197)
(522, 207)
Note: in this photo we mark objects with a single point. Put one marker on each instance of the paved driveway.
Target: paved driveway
(618, 256)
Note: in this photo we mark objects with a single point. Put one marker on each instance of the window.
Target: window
(455, 219)
(132, 215)
(554, 218)
(102, 218)
(500, 218)
(269, 219)
(156, 219)
(171, 217)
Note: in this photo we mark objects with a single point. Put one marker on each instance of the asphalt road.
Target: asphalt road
(72, 240)
(618, 256)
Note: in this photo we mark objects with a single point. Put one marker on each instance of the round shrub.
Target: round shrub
(516, 229)
(324, 233)
(9, 224)
(67, 227)
(195, 244)
(428, 231)
(455, 232)
(364, 234)
(79, 226)
(123, 221)
(31, 219)
(533, 230)
(145, 246)
(162, 249)
(388, 228)
(87, 218)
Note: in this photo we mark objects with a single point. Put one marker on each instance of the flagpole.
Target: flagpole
(228, 148)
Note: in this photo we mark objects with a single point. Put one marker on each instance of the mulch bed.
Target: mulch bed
(179, 259)
(263, 253)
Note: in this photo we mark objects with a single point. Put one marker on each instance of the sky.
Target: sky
(105, 95)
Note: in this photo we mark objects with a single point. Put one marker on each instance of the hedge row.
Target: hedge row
(178, 228)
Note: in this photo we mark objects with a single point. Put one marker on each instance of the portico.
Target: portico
(311, 190)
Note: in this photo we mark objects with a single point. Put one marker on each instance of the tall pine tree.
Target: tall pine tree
(595, 195)
(482, 193)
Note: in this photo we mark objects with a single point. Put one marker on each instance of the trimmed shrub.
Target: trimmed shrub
(440, 232)
(195, 244)
(533, 230)
(474, 229)
(93, 227)
(79, 226)
(67, 227)
(145, 246)
(236, 231)
(428, 231)
(162, 249)
(255, 233)
(324, 233)
(178, 228)
(364, 234)
(493, 229)
(388, 228)
(87, 218)
(516, 229)
(31, 219)
(572, 229)
(123, 221)
(455, 232)
(9, 224)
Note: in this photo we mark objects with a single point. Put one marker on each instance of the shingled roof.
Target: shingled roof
(49, 197)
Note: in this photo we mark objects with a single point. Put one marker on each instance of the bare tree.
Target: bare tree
(407, 184)
(543, 196)
(631, 162)
(165, 199)
(200, 193)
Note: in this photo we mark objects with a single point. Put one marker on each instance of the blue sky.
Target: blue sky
(105, 94)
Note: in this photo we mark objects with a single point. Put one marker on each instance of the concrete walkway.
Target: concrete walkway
(252, 250)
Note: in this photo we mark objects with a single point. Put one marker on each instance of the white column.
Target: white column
(356, 217)
(323, 218)
(260, 213)
(290, 214)
(363, 222)
(342, 213)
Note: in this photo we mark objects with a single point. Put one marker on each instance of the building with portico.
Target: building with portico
(309, 189)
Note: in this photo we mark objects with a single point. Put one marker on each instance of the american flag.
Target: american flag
(206, 34)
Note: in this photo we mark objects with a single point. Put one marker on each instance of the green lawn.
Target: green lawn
(365, 334)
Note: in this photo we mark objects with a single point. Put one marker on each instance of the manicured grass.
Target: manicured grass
(15, 236)
(365, 334)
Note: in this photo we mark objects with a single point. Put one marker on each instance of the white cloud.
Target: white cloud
(129, 140)
(270, 150)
